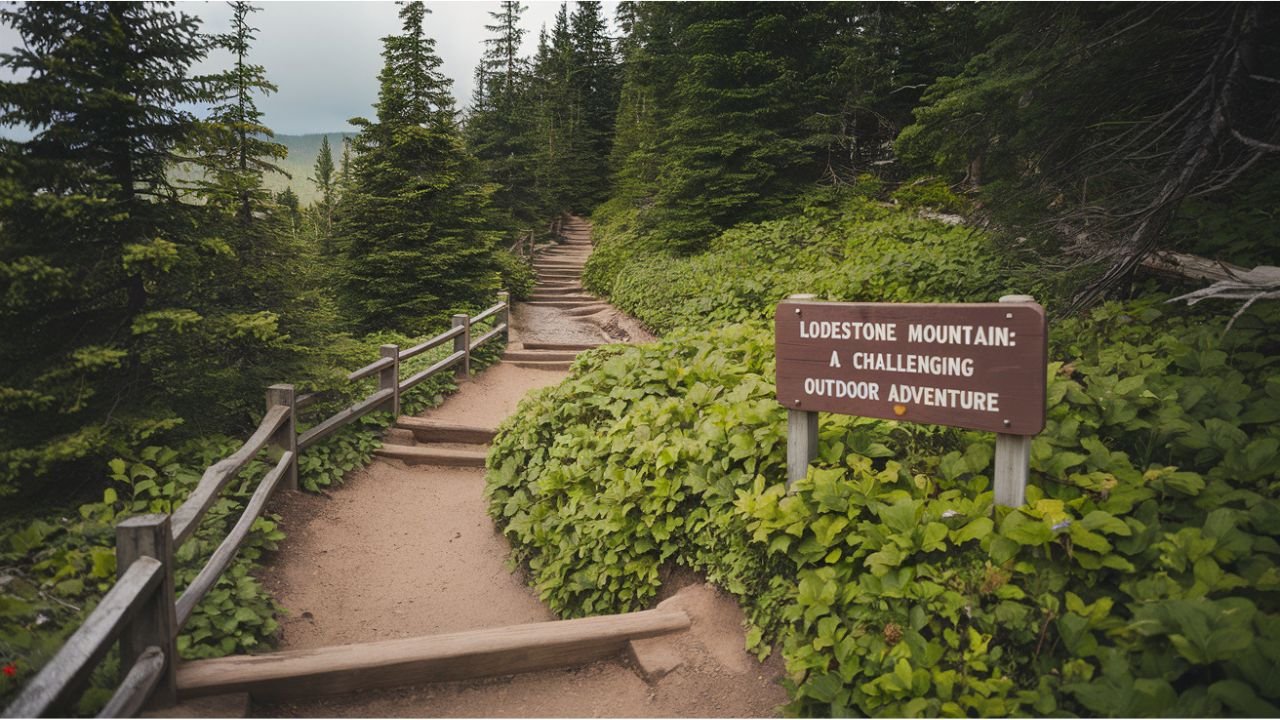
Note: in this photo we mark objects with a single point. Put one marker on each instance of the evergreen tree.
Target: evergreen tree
(872, 63)
(643, 102)
(501, 129)
(90, 228)
(1054, 118)
(732, 148)
(502, 59)
(344, 168)
(412, 226)
(326, 181)
(556, 114)
(238, 148)
(595, 85)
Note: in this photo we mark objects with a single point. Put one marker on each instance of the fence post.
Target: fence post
(1013, 453)
(504, 315)
(802, 430)
(389, 378)
(156, 622)
(286, 438)
(463, 343)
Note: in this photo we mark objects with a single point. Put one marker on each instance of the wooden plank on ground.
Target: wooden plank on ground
(437, 658)
(426, 430)
(427, 455)
(576, 347)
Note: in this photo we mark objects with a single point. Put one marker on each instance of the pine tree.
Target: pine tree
(1038, 123)
(502, 59)
(238, 149)
(732, 148)
(501, 129)
(326, 181)
(412, 225)
(90, 227)
(555, 110)
(595, 82)
(344, 168)
(644, 100)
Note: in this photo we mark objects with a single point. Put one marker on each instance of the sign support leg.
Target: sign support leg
(802, 443)
(1013, 453)
(1013, 465)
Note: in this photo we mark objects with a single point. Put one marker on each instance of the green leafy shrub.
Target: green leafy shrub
(1140, 578)
(929, 193)
(517, 274)
(57, 571)
(846, 248)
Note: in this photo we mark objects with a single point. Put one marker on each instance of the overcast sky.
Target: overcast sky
(325, 56)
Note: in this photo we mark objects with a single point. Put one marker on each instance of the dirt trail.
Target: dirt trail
(407, 550)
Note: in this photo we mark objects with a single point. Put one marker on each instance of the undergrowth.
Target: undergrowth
(1139, 579)
(54, 570)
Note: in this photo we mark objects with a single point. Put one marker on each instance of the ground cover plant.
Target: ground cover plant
(1140, 579)
(55, 569)
(835, 245)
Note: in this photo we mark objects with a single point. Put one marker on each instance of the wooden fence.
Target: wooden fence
(140, 611)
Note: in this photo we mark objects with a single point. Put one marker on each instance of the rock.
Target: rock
(654, 658)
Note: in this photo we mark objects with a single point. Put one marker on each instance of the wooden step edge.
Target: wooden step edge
(586, 310)
(536, 355)
(576, 347)
(418, 455)
(436, 658)
(558, 365)
(425, 430)
(562, 303)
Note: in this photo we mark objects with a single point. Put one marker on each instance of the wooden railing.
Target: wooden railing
(140, 611)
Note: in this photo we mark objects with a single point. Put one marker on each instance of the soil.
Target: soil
(399, 551)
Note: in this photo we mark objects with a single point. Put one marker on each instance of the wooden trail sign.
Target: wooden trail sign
(977, 366)
(973, 365)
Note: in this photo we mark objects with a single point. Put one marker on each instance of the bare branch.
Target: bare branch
(1255, 144)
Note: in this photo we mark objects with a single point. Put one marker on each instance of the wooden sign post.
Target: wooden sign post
(971, 365)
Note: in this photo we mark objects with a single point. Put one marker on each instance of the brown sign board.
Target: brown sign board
(973, 365)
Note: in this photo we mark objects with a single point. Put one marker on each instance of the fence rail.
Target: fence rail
(140, 610)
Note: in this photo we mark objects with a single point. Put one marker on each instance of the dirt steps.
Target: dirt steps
(404, 555)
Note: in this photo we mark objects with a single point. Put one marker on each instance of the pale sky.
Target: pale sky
(325, 56)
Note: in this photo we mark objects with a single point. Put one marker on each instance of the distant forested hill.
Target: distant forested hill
(300, 164)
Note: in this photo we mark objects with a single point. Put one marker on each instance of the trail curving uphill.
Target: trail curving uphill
(404, 549)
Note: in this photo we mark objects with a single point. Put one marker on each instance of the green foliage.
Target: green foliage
(412, 230)
(730, 110)
(1139, 579)
(517, 275)
(1067, 145)
(56, 571)
(87, 221)
(930, 193)
(823, 249)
